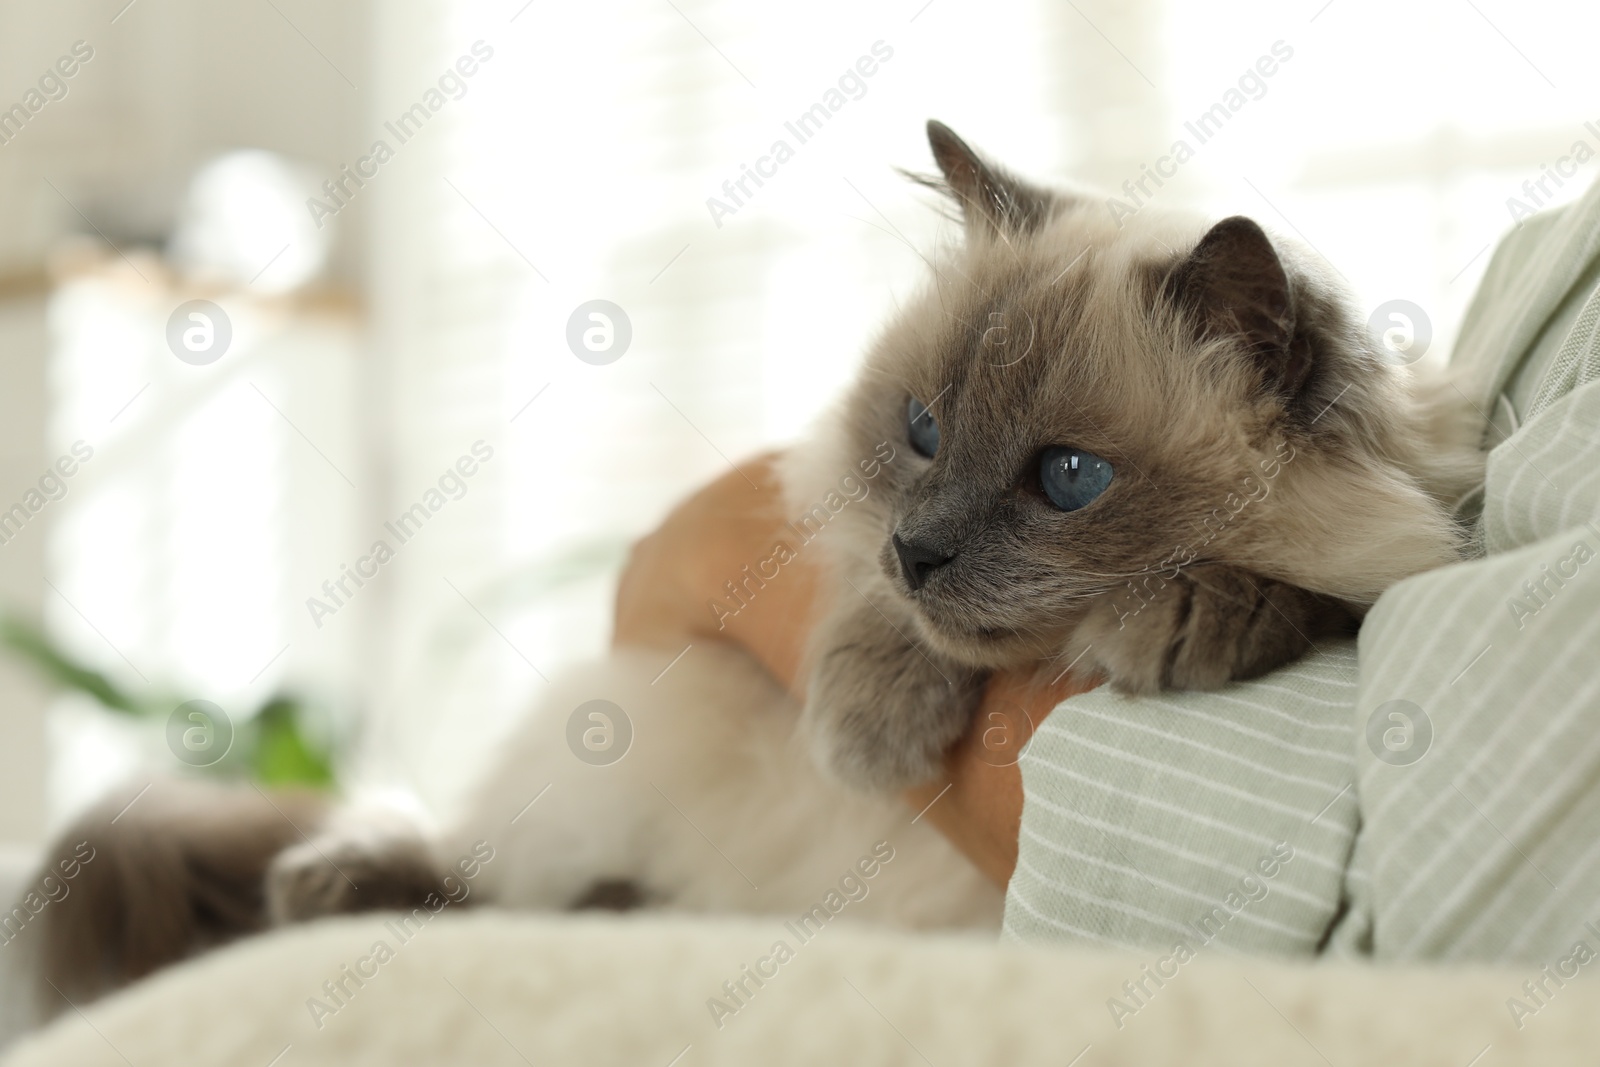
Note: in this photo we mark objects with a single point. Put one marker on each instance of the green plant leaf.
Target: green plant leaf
(31, 645)
(282, 753)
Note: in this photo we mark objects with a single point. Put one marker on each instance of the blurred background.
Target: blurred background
(538, 156)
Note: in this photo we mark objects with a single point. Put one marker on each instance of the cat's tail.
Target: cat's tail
(151, 875)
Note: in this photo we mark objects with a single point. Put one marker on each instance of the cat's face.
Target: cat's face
(1052, 443)
(1075, 407)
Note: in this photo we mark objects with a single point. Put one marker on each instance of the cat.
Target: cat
(1161, 454)
(1083, 408)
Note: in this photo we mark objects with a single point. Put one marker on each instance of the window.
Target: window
(575, 163)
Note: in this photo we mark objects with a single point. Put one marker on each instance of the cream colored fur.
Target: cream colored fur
(714, 808)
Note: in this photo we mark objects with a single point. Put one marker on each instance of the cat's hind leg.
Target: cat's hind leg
(364, 859)
(608, 794)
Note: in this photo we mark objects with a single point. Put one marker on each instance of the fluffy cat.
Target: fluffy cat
(1170, 469)
(1165, 454)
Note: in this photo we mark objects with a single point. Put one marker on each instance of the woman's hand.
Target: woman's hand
(665, 599)
(978, 805)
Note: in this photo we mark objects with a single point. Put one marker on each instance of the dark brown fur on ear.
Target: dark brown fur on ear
(177, 871)
(991, 200)
(1235, 286)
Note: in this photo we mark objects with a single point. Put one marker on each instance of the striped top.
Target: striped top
(1221, 819)
(1431, 791)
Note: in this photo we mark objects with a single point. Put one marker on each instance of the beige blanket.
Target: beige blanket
(487, 989)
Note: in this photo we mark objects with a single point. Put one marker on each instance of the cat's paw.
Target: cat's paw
(336, 874)
(1203, 628)
(882, 713)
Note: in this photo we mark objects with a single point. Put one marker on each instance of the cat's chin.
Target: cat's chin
(984, 647)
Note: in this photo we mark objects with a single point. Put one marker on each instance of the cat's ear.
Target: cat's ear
(991, 200)
(1234, 285)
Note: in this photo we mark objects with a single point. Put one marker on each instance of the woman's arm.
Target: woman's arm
(664, 599)
(674, 573)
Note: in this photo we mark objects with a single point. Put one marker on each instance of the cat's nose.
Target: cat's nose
(918, 562)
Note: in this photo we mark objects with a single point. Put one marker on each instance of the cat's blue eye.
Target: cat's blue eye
(1072, 478)
(921, 428)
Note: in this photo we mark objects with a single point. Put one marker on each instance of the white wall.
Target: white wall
(171, 83)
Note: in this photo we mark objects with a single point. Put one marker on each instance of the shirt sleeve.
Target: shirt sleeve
(1187, 820)
(1487, 846)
